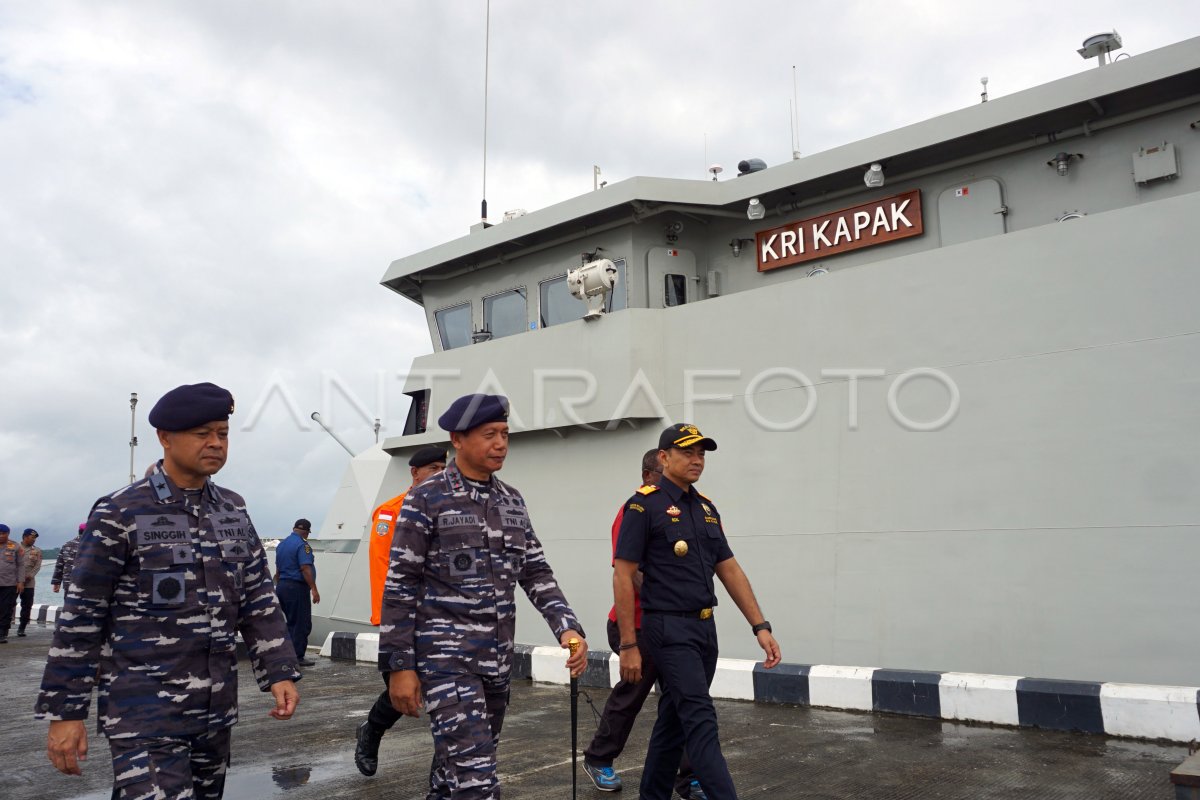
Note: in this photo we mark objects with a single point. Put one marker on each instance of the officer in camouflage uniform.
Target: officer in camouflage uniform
(169, 571)
(463, 544)
(66, 560)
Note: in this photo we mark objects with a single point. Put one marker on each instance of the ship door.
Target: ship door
(968, 211)
(671, 277)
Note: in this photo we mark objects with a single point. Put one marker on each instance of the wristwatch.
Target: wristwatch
(762, 626)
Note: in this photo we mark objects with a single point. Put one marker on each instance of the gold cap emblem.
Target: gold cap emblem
(681, 548)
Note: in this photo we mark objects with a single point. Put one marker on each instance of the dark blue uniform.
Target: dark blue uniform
(293, 553)
(675, 535)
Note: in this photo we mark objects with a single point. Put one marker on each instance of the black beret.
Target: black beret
(186, 407)
(473, 410)
(428, 455)
(684, 435)
(29, 531)
(302, 525)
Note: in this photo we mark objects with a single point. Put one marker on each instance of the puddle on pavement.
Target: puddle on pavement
(256, 780)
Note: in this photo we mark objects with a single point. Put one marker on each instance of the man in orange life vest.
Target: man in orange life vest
(426, 462)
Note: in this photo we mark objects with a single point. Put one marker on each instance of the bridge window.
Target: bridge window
(505, 313)
(454, 325)
(556, 305)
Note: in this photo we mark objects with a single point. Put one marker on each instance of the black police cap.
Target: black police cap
(191, 406)
(302, 525)
(684, 435)
(473, 410)
(426, 456)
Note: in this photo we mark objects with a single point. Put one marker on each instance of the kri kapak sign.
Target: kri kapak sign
(866, 225)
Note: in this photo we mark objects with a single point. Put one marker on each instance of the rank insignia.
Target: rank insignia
(674, 511)
(681, 548)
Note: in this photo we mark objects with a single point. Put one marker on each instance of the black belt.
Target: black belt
(704, 613)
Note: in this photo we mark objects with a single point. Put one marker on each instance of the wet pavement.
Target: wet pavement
(773, 751)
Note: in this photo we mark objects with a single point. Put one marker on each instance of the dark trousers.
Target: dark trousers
(26, 606)
(620, 712)
(170, 767)
(8, 600)
(685, 651)
(383, 715)
(296, 602)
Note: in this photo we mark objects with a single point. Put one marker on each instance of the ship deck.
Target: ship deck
(772, 750)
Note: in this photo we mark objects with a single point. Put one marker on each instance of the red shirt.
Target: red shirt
(637, 603)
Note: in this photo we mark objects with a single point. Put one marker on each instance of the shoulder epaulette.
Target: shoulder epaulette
(706, 497)
(648, 490)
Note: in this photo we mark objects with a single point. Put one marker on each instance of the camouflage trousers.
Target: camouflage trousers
(170, 767)
(466, 712)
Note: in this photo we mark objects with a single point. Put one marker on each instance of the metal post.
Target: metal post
(132, 434)
(377, 427)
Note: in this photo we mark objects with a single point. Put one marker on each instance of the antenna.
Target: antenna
(487, 39)
(983, 96)
(794, 109)
(132, 433)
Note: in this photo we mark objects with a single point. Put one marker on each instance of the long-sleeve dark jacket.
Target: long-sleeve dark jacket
(163, 582)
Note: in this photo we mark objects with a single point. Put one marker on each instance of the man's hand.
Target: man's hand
(55, 588)
(316, 596)
(66, 745)
(771, 647)
(20, 588)
(404, 690)
(286, 699)
(577, 663)
(631, 665)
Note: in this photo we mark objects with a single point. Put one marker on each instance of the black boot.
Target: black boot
(21, 631)
(366, 750)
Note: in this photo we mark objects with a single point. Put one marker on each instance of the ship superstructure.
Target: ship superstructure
(953, 371)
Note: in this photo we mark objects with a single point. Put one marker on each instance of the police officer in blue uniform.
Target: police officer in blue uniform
(296, 585)
(674, 535)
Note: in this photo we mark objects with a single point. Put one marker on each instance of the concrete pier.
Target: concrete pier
(775, 751)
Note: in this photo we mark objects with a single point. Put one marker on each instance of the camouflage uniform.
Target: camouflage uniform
(164, 581)
(65, 561)
(449, 612)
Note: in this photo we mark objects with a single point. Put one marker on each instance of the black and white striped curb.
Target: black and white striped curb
(1116, 709)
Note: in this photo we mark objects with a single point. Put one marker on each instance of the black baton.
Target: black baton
(573, 646)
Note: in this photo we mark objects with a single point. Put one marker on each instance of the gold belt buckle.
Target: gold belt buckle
(705, 613)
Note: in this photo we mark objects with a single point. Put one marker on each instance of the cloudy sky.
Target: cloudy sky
(212, 191)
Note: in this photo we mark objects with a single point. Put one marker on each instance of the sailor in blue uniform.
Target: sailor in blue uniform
(674, 535)
(295, 581)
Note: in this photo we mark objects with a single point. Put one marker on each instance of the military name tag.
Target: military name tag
(454, 519)
(162, 529)
(231, 526)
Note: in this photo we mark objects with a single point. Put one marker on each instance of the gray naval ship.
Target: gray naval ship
(953, 371)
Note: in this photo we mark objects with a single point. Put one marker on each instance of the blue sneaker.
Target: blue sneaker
(694, 792)
(605, 778)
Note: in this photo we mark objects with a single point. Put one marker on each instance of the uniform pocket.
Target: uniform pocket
(441, 696)
(133, 775)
